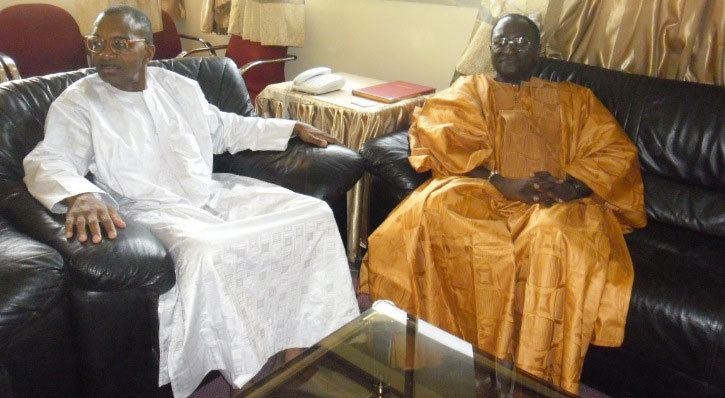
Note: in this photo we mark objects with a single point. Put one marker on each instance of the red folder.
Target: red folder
(393, 91)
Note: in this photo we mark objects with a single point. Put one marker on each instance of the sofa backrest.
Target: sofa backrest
(24, 103)
(679, 131)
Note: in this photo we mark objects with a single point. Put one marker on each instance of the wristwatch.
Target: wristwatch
(491, 174)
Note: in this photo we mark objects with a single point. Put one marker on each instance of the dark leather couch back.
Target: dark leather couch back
(24, 103)
(679, 131)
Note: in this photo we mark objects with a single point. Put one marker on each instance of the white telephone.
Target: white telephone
(318, 80)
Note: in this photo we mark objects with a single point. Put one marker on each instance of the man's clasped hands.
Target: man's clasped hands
(542, 187)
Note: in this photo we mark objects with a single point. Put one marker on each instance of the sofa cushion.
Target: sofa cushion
(677, 313)
(387, 157)
(32, 282)
(671, 202)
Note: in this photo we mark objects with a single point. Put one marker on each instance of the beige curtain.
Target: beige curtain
(675, 39)
(88, 10)
(269, 22)
(215, 16)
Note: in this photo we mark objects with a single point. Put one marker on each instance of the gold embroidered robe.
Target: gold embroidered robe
(526, 283)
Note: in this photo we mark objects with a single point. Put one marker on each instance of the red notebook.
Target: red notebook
(393, 91)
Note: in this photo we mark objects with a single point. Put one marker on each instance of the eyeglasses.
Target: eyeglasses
(519, 43)
(97, 44)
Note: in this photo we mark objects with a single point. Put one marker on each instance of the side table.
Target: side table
(352, 120)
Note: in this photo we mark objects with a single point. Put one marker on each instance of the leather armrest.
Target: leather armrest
(324, 173)
(134, 259)
(387, 158)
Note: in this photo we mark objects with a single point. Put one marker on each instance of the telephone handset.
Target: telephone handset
(318, 80)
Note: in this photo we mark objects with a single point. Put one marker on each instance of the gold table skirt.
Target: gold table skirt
(350, 119)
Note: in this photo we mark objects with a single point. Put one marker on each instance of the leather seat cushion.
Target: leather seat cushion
(676, 314)
(32, 275)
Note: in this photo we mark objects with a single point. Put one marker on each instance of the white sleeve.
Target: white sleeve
(55, 169)
(234, 133)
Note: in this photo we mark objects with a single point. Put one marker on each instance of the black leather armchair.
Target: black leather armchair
(675, 337)
(111, 290)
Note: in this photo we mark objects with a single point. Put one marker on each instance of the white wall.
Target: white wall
(386, 40)
(382, 39)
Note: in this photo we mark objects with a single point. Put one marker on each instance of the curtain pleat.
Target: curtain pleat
(88, 10)
(215, 16)
(269, 22)
(175, 8)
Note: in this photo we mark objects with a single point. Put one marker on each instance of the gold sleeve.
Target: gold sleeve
(449, 135)
(601, 155)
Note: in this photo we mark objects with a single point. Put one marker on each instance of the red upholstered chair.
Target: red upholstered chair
(41, 39)
(168, 41)
(261, 65)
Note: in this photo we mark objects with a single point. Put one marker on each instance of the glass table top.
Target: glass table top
(386, 352)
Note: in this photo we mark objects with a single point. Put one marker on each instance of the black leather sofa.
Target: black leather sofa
(675, 338)
(99, 302)
(35, 333)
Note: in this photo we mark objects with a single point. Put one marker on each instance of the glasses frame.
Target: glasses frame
(129, 42)
(511, 41)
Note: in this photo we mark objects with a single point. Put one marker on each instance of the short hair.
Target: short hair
(531, 24)
(140, 20)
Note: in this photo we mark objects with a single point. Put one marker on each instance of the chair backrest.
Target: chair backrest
(167, 42)
(244, 51)
(42, 39)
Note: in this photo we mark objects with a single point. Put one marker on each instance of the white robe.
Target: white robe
(259, 268)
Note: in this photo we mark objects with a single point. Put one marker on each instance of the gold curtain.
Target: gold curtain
(674, 39)
(175, 8)
(88, 10)
(269, 22)
(215, 16)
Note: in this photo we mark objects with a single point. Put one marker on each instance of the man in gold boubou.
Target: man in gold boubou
(516, 242)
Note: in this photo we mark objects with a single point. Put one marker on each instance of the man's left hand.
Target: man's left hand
(313, 135)
(552, 188)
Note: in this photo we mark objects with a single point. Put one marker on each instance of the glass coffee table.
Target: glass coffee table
(386, 352)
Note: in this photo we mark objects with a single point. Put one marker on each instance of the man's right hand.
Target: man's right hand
(85, 212)
(520, 189)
